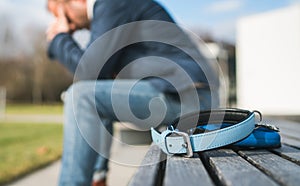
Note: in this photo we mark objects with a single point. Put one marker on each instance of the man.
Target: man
(95, 101)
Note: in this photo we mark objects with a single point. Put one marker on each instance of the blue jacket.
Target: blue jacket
(111, 14)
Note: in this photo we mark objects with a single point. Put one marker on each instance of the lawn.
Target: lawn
(34, 109)
(26, 147)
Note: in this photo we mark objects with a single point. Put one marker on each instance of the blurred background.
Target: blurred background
(26, 74)
(256, 43)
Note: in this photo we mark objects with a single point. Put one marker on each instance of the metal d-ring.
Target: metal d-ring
(260, 115)
(260, 124)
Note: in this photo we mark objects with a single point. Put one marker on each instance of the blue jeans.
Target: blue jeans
(92, 106)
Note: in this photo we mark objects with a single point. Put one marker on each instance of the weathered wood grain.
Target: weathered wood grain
(231, 169)
(290, 133)
(280, 169)
(149, 172)
(186, 171)
(288, 153)
(290, 141)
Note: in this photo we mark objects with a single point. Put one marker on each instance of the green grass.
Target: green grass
(34, 109)
(27, 147)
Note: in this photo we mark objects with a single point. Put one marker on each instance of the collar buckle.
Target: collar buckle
(187, 142)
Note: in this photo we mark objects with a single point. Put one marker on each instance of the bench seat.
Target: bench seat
(227, 166)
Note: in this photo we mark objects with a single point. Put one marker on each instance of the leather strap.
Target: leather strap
(175, 140)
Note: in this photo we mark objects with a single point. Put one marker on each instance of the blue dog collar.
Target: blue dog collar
(239, 125)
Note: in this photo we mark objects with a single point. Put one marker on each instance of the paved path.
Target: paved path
(46, 177)
(41, 118)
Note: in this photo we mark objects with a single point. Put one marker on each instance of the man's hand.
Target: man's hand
(60, 25)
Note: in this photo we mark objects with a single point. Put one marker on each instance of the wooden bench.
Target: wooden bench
(279, 166)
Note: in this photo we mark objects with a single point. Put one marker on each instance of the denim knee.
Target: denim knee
(81, 94)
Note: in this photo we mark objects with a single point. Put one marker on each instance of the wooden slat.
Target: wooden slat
(295, 136)
(281, 170)
(149, 171)
(290, 133)
(285, 125)
(186, 171)
(290, 141)
(289, 153)
(231, 169)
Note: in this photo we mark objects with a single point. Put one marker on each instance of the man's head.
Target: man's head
(74, 10)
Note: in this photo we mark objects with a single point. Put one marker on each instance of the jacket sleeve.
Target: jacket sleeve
(65, 50)
(107, 15)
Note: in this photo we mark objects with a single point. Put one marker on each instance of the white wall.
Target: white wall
(268, 62)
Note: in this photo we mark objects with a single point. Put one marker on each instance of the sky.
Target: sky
(219, 17)
(216, 17)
